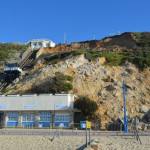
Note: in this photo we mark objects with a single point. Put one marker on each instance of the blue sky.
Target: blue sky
(22, 20)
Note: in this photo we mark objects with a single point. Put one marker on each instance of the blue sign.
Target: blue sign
(83, 124)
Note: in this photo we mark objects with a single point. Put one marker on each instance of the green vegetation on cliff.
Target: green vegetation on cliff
(60, 83)
(87, 106)
(142, 39)
(8, 50)
(141, 58)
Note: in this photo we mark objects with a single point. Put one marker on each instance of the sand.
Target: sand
(124, 143)
(71, 143)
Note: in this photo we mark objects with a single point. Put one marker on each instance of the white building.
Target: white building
(40, 43)
(40, 111)
(12, 67)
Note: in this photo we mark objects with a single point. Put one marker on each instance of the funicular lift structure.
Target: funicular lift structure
(12, 71)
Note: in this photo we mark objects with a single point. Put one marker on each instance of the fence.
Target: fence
(95, 127)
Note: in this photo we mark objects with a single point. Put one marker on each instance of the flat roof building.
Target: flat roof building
(40, 43)
(41, 111)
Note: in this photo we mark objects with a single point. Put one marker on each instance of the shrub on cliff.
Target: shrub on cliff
(60, 83)
(8, 50)
(87, 106)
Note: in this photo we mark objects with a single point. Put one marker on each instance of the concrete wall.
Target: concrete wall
(41, 102)
(16, 108)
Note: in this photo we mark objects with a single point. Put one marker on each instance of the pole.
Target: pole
(125, 110)
(89, 136)
(65, 37)
(53, 117)
(86, 138)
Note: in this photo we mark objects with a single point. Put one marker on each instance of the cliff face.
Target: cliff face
(98, 81)
(101, 78)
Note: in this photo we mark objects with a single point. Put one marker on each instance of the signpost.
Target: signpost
(86, 125)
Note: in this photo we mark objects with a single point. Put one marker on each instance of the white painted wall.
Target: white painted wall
(37, 44)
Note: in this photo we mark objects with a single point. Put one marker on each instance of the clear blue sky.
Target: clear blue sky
(22, 20)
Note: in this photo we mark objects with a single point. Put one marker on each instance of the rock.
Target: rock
(110, 88)
(102, 60)
(88, 148)
(129, 70)
(94, 145)
(96, 140)
(87, 74)
(144, 109)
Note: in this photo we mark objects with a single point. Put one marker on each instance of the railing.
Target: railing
(26, 60)
(76, 126)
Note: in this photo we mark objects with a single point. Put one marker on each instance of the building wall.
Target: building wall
(29, 111)
(36, 102)
(37, 44)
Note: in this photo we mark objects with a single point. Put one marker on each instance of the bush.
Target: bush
(87, 106)
(140, 58)
(61, 83)
(8, 50)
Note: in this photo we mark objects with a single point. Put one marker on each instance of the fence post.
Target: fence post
(86, 138)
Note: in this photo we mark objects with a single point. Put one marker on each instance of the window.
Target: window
(62, 118)
(45, 116)
(47, 45)
(28, 117)
(67, 118)
(12, 116)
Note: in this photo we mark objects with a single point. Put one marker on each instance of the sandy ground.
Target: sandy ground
(70, 143)
(124, 143)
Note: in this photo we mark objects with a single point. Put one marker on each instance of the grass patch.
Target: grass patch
(8, 50)
(140, 58)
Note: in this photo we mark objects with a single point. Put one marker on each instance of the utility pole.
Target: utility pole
(124, 88)
(94, 37)
(65, 37)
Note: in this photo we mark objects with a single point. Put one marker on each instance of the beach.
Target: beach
(8, 142)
